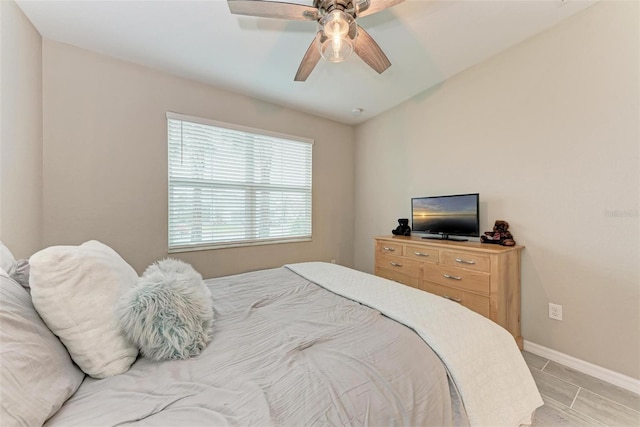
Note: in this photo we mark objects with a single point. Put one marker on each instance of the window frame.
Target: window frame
(230, 244)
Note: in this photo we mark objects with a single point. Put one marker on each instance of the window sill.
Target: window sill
(210, 247)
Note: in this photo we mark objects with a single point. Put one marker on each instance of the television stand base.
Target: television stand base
(446, 237)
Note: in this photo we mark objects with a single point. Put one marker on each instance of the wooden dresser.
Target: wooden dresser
(483, 277)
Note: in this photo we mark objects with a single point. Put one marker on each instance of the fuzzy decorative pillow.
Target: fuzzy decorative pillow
(168, 314)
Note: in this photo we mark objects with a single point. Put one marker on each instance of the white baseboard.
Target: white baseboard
(596, 371)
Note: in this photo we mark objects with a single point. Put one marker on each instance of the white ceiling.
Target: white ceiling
(427, 41)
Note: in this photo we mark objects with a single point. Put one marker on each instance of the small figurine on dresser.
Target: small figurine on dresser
(403, 229)
(500, 234)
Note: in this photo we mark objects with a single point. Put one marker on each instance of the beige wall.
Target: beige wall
(21, 132)
(548, 133)
(105, 162)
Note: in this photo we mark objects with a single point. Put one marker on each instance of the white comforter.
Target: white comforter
(482, 358)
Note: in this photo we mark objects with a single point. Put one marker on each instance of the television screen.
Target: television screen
(454, 215)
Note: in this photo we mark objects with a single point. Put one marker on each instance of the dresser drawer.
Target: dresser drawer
(475, 281)
(472, 261)
(483, 278)
(402, 265)
(421, 253)
(389, 248)
(474, 302)
(398, 276)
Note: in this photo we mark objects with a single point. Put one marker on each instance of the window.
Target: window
(231, 185)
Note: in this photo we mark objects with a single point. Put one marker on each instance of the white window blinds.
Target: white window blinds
(230, 185)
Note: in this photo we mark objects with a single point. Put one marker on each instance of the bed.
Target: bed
(304, 344)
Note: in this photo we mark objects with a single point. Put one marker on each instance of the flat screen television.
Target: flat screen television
(452, 217)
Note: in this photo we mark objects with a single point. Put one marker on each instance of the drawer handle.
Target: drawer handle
(420, 254)
(452, 298)
(396, 264)
(465, 261)
(448, 276)
(389, 249)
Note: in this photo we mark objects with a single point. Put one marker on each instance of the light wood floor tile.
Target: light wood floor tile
(554, 414)
(605, 410)
(557, 389)
(534, 360)
(610, 391)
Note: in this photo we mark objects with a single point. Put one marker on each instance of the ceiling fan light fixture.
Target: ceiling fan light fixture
(336, 23)
(340, 30)
(336, 49)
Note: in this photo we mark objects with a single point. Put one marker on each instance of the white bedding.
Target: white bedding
(483, 359)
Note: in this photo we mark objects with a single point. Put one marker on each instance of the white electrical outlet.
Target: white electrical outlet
(555, 311)
(333, 261)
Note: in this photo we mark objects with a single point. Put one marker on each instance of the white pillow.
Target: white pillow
(37, 374)
(75, 289)
(7, 260)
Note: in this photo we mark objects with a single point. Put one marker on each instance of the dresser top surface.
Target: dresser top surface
(451, 244)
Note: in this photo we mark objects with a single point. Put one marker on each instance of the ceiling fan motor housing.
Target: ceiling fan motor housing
(349, 6)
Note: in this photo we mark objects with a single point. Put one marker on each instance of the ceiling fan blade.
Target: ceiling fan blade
(309, 60)
(367, 49)
(378, 5)
(273, 9)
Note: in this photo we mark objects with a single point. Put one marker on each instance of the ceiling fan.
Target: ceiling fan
(337, 28)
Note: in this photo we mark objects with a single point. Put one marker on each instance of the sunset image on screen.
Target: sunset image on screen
(448, 214)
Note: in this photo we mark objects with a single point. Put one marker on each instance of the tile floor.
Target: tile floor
(572, 398)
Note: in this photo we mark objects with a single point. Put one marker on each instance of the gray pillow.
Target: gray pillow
(6, 258)
(37, 374)
(20, 272)
(168, 313)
